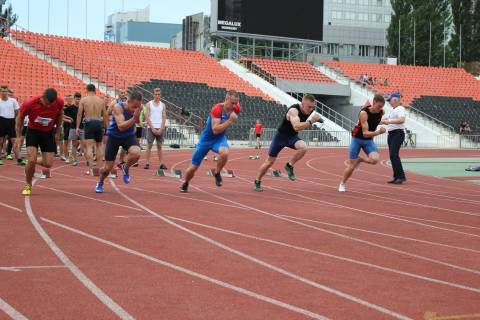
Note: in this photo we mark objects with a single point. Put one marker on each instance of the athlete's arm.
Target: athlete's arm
(59, 125)
(147, 116)
(79, 115)
(364, 122)
(292, 116)
(400, 120)
(164, 119)
(120, 119)
(105, 117)
(19, 123)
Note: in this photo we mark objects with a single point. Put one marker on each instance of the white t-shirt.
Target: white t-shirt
(156, 113)
(396, 113)
(8, 108)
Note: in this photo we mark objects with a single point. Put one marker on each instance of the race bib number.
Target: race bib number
(43, 121)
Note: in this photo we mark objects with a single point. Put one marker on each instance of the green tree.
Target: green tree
(415, 18)
(7, 18)
(462, 14)
(476, 32)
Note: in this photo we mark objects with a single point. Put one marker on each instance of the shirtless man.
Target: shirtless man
(93, 109)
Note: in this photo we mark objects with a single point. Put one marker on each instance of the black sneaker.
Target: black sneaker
(163, 167)
(147, 166)
(184, 187)
(218, 179)
(119, 166)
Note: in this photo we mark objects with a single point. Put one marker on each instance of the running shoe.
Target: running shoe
(147, 166)
(1, 162)
(257, 186)
(63, 158)
(21, 162)
(67, 160)
(119, 166)
(27, 190)
(126, 176)
(291, 174)
(135, 165)
(99, 187)
(9, 157)
(74, 163)
(184, 187)
(341, 187)
(163, 167)
(218, 179)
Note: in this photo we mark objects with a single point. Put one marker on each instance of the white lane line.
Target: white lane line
(320, 253)
(189, 198)
(10, 311)
(190, 272)
(20, 268)
(102, 296)
(396, 188)
(341, 235)
(78, 195)
(263, 263)
(383, 234)
(10, 207)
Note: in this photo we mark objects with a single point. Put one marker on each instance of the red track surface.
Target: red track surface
(298, 250)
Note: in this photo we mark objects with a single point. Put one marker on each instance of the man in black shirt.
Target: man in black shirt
(297, 118)
(70, 114)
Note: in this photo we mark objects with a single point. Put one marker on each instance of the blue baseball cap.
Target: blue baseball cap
(394, 95)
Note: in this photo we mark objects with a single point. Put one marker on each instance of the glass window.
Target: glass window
(363, 2)
(349, 15)
(351, 1)
(337, 15)
(332, 49)
(363, 51)
(379, 51)
(375, 17)
(379, 3)
(337, 1)
(362, 16)
(387, 18)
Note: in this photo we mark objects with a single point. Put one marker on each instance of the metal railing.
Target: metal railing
(183, 136)
(322, 138)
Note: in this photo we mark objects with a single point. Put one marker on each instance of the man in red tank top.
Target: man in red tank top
(258, 135)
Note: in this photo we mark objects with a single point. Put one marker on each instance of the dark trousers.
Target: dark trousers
(395, 141)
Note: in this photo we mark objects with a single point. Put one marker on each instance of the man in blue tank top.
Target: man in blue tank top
(121, 133)
(222, 116)
(362, 137)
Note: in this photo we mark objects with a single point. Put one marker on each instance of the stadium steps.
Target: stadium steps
(428, 128)
(279, 95)
(84, 77)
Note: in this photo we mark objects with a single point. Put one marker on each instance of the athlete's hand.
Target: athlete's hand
(233, 117)
(57, 137)
(381, 130)
(316, 117)
(78, 132)
(136, 115)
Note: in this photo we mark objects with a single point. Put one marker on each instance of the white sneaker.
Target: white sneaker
(341, 187)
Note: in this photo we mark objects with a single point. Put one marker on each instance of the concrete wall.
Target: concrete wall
(314, 87)
(147, 31)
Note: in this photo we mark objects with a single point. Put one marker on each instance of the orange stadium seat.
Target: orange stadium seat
(28, 75)
(412, 82)
(129, 65)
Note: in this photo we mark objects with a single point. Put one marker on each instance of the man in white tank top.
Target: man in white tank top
(155, 116)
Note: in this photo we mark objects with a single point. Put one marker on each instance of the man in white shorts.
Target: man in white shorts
(155, 116)
(8, 112)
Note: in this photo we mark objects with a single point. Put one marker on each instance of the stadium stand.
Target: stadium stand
(411, 81)
(124, 65)
(451, 110)
(289, 70)
(28, 76)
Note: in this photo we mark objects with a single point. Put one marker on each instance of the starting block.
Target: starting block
(45, 174)
(177, 173)
(254, 157)
(225, 173)
(275, 173)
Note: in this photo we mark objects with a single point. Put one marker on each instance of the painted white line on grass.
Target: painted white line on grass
(341, 235)
(102, 296)
(10, 311)
(263, 263)
(190, 272)
(324, 254)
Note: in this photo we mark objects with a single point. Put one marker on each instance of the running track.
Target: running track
(299, 250)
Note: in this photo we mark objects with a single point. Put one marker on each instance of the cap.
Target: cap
(394, 95)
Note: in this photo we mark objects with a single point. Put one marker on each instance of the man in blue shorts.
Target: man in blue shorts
(222, 116)
(362, 138)
(298, 118)
(121, 133)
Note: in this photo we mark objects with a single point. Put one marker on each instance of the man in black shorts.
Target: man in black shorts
(93, 108)
(298, 118)
(8, 111)
(121, 133)
(45, 114)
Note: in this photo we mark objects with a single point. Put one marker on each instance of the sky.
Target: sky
(168, 11)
